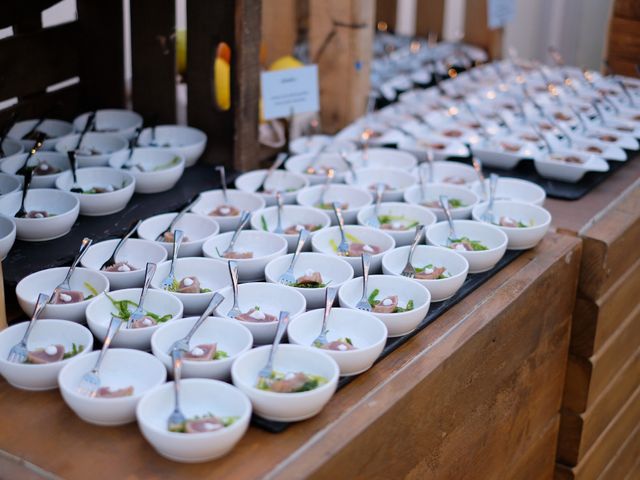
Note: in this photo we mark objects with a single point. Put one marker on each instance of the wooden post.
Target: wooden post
(341, 43)
(279, 28)
(429, 17)
(623, 42)
(476, 29)
(386, 13)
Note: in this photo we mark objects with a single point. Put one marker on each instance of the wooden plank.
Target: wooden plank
(56, 51)
(153, 59)
(429, 17)
(386, 13)
(588, 377)
(595, 322)
(341, 42)
(64, 104)
(622, 66)
(621, 465)
(626, 9)
(537, 463)
(623, 38)
(279, 28)
(476, 29)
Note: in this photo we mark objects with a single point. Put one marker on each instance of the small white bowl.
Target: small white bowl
(433, 192)
(291, 215)
(265, 247)
(456, 266)
(322, 162)
(45, 281)
(188, 141)
(212, 199)
(334, 270)
(286, 407)
(98, 204)
(12, 164)
(105, 143)
(100, 311)
(212, 274)
(383, 158)
(230, 336)
(198, 396)
(7, 235)
(197, 229)
(367, 333)
(45, 332)
(160, 168)
(313, 144)
(120, 121)
(321, 242)
(120, 368)
(406, 213)
(288, 183)
(519, 238)
(355, 198)
(398, 180)
(9, 184)
(10, 146)
(55, 129)
(135, 252)
(397, 324)
(514, 189)
(446, 147)
(452, 173)
(271, 298)
(569, 172)
(490, 236)
(64, 207)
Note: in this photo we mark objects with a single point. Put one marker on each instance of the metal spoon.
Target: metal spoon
(264, 375)
(244, 218)
(364, 304)
(343, 247)
(223, 181)
(182, 344)
(112, 260)
(487, 216)
(329, 298)
(444, 204)
(90, 381)
(409, 270)
(345, 159)
(87, 126)
(422, 183)
(22, 212)
(19, 352)
(274, 166)
(477, 166)
(233, 273)
(287, 278)
(64, 285)
(36, 146)
(176, 420)
(373, 221)
(325, 187)
(279, 228)
(177, 218)
(132, 145)
(139, 312)
(169, 282)
(75, 188)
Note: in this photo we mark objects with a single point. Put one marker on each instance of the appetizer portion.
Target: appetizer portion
(430, 272)
(297, 228)
(205, 352)
(357, 249)
(65, 297)
(396, 222)
(454, 180)
(52, 353)
(466, 244)
(224, 211)
(291, 382)
(339, 345)
(43, 168)
(329, 206)
(120, 267)
(310, 279)
(257, 316)
(144, 322)
(506, 221)
(205, 424)
(388, 304)
(189, 284)
(106, 392)
(168, 237)
(453, 203)
(124, 309)
(100, 189)
(38, 214)
(233, 255)
(571, 159)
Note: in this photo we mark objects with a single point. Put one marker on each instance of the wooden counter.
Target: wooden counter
(474, 395)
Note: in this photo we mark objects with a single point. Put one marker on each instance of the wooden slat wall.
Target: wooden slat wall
(476, 29)
(429, 17)
(279, 28)
(386, 11)
(623, 50)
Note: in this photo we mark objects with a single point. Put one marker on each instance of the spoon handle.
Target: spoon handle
(444, 204)
(477, 166)
(416, 240)
(329, 298)
(178, 235)
(114, 326)
(149, 272)
(176, 360)
(349, 163)
(179, 216)
(366, 263)
(283, 321)
(233, 273)
(223, 182)
(216, 300)
(87, 126)
(279, 212)
(122, 241)
(43, 299)
(25, 187)
(379, 192)
(302, 238)
(84, 246)
(275, 165)
(244, 218)
(338, 211)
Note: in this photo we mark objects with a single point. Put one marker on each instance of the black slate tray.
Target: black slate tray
(472, 282)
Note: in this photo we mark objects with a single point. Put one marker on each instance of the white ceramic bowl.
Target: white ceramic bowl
(383, 158)
(490, 236)
(455, 264)
(334, 270)
(397, 324)
(288, 183)
(271, 298)
(12, 164)
(286, 407)
(212, 274)
(188, 141)
(55, 129)
(9, 183)
(100, 311)
(265, 247)
(398, 180)
(323, 240)
(519, 238)
(160, 168)
(10, 146)
(45, 332)
(433, 192)
(569, 172)
(120, 368)
(230, 336)
(367, 333)
(354, 197)
(212, 199)
(322, 162)
(135, 252)
(446, 147)
(313, 144)
(197, 230)
(403, 213)
(97, 204)
(105, 143)
(198, 396)
(291, 215)
(64, 207)
(7, 235)
(120, 121)
(514, 189)
(45, 281)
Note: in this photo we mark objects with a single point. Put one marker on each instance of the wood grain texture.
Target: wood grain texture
(476, 29)
(279, 28)
(626, 9)
(624, 41)
(429, 17)
(537, 462)
(386, 11)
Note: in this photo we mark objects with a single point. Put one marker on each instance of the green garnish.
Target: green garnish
(312, 382)
(226, 421)
(75, 350)
(309, 285)
(91, 288)
(205, 290)
(220, 354)
(384, 219)
(431, 267)
(351, 238)
(263, 222)
(475, 244)
(123, 311)
(373, 301)
(174, 161)
(456, 203)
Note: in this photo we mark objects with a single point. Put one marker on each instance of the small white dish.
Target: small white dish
(548, 167)
(442, 147)
(29, 376)
(54, 129)
(10, 146)
(520, 238)
(135, 252)
(198, 396)
(325, 240)
(197, 230)
(383, 158)
(62, 207)
(9, 183)
(504, 152)
(456, 268)
(56, 160)
(288, 183)
(121, 368)
(98, 204)
(45, 281)
(451, 173)
(265, 246)
(120, 121)
(334, 271)
(353, 198)
(315, 143)
(158, 302)
(488, 235)
(407, 290)
(212, 199)
(96, 148)
(158, 169)
(396, 181)
(403, 219)
(433, 191)
(286, 407)
(230, 337)
(271, 299)
(7, 235)
(188, 141)
(314, 166)
(366, 332)
(514, 189)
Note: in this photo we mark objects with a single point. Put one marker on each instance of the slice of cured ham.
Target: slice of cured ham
(63, 297)
(203, 352)
(387, 305)
(50, 354)
(258, 316)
